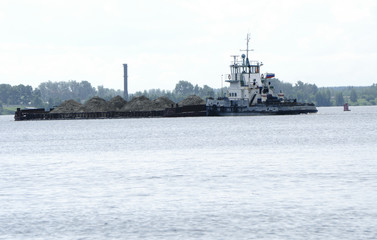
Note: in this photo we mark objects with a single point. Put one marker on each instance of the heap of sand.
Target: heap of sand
(141, 103)
(95, 104)
(191, 100)
(116, 103)
(163, 102)
(69, 106)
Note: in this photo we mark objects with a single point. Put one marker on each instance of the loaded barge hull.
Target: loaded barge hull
(42, 114)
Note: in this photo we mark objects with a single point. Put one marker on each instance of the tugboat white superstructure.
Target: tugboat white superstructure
(251, 93)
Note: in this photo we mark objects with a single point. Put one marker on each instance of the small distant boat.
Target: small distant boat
(346, 108)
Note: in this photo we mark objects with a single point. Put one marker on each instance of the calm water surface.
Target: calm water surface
(266, 177)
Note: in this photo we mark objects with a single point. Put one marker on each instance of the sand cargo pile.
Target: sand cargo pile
(162, 103)
(117, 107)
(141, 103)
(191, 100)
(96, 104)
(68, 106)
(117, 103)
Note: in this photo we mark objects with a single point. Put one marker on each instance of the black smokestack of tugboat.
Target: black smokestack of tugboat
(125, 82)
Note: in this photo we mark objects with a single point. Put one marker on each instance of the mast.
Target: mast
(247, 45)
(247, 49)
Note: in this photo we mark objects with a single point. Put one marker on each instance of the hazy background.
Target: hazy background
(327, 43)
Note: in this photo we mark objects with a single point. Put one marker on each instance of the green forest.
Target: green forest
(50, 94)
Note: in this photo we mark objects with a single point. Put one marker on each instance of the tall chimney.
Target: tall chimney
(125, 82)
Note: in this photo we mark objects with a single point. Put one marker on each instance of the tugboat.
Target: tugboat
(251, 93)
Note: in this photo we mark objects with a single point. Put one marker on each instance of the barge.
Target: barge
(42, 114)
(249, 93)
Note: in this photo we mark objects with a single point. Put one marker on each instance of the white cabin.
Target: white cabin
(246, 81)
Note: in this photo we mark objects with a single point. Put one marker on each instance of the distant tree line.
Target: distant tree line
(20, 94)
(49, 94)
(328, 96)
(182, 90)
(54, 93)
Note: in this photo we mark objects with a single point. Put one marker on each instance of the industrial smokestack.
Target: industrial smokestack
(125, 82)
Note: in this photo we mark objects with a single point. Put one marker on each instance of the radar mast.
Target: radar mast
(247, 49)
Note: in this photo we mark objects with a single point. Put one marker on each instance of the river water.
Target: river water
(261, 177)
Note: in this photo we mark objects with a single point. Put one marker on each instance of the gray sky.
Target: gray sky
(327, 43)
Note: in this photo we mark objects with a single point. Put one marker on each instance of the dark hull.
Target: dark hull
(262, 109)
(41, 114)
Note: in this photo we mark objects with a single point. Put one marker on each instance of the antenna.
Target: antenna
(235, 58)
(247, 47)
(222, 79)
